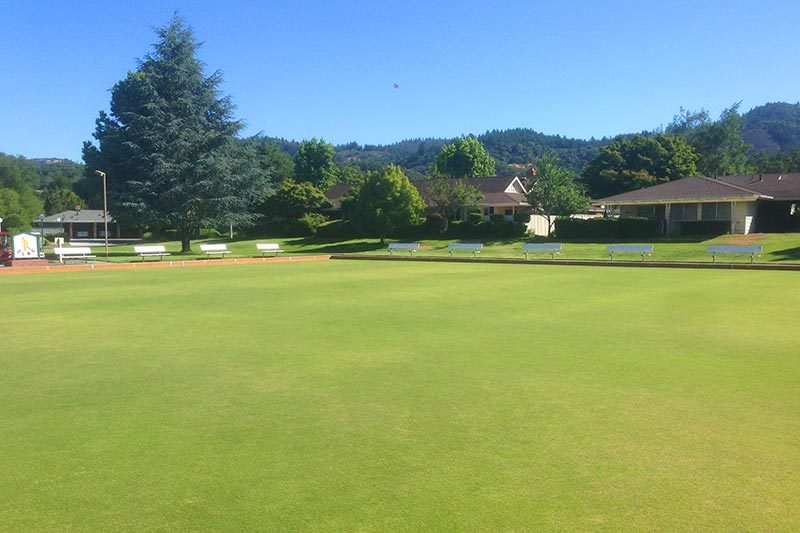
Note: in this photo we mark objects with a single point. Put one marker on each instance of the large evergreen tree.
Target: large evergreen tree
(169, 145)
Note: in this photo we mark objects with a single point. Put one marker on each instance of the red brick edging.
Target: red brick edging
(161, 264)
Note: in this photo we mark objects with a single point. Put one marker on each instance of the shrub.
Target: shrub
(639, 227)
(305, 226)
(607, 228)
(522, 218)
(497, 218)
(705, 227)
(474, 218)
(210, 233)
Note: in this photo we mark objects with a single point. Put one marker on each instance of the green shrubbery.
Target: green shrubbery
(705, 227)
(607, 228)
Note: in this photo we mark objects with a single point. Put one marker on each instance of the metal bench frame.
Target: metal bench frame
(553, 248)
(752, 250)
(644, 250)
(475, 248)
(410, 247)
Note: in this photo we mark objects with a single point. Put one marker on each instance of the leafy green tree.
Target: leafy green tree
(314, 163)
(775, 163)
(445, 198)
(718, 144)
(348, 174)
(464, 158)
(292, 200)
(19, 204)
(638, 161)
(58, 200)
(272, 160)
(555, 192)
(169, 145)
(386, 201)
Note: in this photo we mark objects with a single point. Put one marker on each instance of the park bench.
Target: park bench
(214, 249)
(157, 250)
(552, 248)
(643, 250)
(73, 252)
(475, 248)
(752, 250)
(410, 247)
(269, 248)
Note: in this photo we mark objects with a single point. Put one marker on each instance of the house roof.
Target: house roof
(335, 193)
(778, 186)
(80, 216)
(695, 188)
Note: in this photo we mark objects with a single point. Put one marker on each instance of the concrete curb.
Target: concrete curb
(568, 262)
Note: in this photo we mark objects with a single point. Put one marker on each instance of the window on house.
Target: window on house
(508, 211)
(647, 211)
(724, 211)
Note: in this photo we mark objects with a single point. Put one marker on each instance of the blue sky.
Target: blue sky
(301, 69)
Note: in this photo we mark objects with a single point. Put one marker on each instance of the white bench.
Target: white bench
(73, 252)
(269, 248)
(552, 248)
(752, 250)
(157, 250)
(410, 247)
(643, 250)
(475, 248)
(214, 249)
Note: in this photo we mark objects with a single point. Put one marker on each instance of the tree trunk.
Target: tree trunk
(186, 241)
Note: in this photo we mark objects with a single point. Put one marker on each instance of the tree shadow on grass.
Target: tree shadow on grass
(312, 245)
(788, 254)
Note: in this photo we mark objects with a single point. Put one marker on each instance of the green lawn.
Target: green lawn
(781, 248)
(352, 395)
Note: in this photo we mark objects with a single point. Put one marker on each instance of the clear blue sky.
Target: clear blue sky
(300, 69)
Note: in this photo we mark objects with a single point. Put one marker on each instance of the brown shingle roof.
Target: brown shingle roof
(778, 186)
(692, 188)
(335, 193)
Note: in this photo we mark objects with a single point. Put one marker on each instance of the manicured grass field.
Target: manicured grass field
(778, 248)
(352, 395)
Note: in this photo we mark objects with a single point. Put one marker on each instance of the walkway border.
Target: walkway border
(162, 264)
(569, 262)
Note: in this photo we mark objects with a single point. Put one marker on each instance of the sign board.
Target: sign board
(25, 246)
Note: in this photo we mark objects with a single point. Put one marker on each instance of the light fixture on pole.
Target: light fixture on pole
(41, 230)
(105, 207)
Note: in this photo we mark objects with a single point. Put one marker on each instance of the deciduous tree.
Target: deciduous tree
(465, 158)
(555, 192)
(638, 161)
(446, 197)
(386, 201)
(314, 163)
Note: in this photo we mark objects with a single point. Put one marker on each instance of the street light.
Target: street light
(105, 207)
(41, 231)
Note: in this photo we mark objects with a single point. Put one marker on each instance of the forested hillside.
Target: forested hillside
(773, 127)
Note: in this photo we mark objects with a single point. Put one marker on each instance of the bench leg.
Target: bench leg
(612, 256)
(713, 257)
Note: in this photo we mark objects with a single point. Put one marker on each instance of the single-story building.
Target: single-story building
(502, 195)
(78, 224)
(751, 203)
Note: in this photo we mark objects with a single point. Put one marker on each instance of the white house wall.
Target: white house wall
(538, 226)
(743, 215)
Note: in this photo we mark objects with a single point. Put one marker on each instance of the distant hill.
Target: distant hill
(773, 127)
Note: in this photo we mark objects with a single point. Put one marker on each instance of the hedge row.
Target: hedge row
(705, 227)
(607, 228)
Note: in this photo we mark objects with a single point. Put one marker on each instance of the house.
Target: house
(78, 224)
(751, 203)
(501, 195)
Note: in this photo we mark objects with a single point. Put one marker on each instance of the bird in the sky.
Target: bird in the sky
(396, 86)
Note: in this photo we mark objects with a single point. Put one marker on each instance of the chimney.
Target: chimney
(77, 209)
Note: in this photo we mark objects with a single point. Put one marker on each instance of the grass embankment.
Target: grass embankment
(385, 396)
(782, 248)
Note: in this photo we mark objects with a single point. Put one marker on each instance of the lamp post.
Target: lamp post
(41, 231)
(105, 207)
(1, 224)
